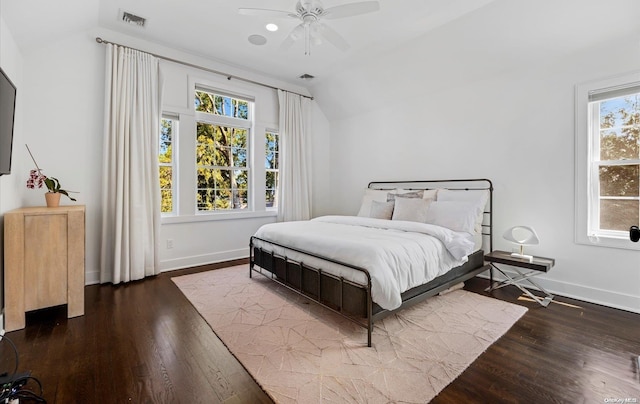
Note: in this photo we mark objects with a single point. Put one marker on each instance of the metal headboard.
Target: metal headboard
(453, 185)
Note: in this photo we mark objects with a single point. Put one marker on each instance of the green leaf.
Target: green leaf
(63, 192)
(53, 185)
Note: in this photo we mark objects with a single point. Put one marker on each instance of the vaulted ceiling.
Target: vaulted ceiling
(215, 29)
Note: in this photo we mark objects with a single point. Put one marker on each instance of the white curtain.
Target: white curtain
(130, 184)
(294, 187)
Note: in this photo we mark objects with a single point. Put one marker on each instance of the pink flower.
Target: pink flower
(36, 179)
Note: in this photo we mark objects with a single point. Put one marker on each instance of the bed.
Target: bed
(410, 240)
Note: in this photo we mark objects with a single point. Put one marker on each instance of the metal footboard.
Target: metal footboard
(346, 298)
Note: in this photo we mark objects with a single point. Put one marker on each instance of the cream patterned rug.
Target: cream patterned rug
(300, 352)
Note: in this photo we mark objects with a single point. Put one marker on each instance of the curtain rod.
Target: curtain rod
(228, 76)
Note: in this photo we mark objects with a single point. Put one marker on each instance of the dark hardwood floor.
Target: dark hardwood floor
(144, 343)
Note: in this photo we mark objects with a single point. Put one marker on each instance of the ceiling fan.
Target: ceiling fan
(310, 13)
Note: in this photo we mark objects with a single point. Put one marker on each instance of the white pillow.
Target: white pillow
(370, 195)
(411, 209)
(430, 194)
(478, 197)
(457, 216)
(381, 210)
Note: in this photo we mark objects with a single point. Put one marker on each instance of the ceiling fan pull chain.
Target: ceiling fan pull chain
(307, 40)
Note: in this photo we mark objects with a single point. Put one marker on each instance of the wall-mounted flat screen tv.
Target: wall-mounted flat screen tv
(7, 114)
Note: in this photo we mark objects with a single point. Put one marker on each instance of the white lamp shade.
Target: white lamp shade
(523, 235)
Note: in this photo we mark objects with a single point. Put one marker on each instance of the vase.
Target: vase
(53, 199)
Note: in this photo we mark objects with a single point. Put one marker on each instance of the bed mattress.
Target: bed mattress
(399, 255)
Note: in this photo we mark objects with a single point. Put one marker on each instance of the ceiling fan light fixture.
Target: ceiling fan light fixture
(309, 13)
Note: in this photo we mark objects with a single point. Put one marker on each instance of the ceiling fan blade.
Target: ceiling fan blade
(332, 36)
(296, 34)
(262, 12)
(349, 10)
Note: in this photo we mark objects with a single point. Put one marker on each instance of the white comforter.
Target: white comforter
(399, 255)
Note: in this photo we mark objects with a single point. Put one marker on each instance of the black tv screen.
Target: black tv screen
(7, 113)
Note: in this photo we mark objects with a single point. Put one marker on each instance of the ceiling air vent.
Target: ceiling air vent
(306, 77)
(133, 19)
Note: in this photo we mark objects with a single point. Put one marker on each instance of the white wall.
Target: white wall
(64, 128)
(440, 108)
(321, 168)
(12, 63)
(64, 131)
(10, 185)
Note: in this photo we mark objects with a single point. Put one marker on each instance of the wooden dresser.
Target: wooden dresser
(44, 253)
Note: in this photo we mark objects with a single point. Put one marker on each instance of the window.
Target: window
(615, 159)
(272, 155)
(168, 129)
(213, 169)
(223, 128)
(608, 135)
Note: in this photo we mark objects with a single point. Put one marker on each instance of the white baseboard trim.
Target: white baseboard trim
(203, 259)
(589, 294)
(93, 277)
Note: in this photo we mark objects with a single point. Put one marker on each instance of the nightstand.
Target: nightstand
(44, 254)
(525, 269)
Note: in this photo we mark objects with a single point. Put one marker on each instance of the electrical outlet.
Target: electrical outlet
(169, 244)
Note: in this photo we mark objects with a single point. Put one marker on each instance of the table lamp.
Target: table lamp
(522, 235)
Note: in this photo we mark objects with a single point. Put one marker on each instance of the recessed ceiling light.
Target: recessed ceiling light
(271, 27)
(257, 39)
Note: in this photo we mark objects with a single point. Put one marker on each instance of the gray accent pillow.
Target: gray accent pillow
(411, 209)
(381, 210)
(416, 194)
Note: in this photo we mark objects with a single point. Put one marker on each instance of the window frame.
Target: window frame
(264, 103)
(276, 170)
(587, 146)
(246, 168)
(228, 122)
(175, 130)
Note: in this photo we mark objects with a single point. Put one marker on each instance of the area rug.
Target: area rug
(299, 352)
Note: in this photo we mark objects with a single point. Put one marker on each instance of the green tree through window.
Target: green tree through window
(272, 156)
(618, 163)
(165, 159)
(222, 152)
(221, 105)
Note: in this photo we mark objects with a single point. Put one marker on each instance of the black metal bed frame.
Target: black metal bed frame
(353, 300)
